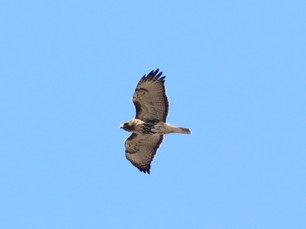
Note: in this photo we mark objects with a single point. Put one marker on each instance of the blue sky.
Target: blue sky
(236, 76)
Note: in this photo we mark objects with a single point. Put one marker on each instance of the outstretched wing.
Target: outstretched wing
(141, 149)
(150, 97)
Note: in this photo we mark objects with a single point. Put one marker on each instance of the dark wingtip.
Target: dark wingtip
(151, 72)
(144, 170)
(157, 75)
(154, 76)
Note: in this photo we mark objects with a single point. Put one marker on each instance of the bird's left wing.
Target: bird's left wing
(150, 97)
(141, 149)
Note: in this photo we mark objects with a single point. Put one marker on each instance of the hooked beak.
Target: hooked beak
(121, 126)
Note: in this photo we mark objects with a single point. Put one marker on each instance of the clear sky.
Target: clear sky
(235, 74)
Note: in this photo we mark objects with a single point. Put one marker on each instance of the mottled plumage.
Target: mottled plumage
(149, 125)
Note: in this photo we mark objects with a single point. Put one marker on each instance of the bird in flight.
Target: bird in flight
(149, 125)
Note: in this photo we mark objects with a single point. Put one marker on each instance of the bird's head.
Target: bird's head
(127, 126)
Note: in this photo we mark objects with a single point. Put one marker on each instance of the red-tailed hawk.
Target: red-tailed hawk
(149, 125)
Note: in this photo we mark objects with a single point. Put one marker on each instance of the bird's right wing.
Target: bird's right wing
(141, 149)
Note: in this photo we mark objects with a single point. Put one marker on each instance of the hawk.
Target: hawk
(149, 125)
